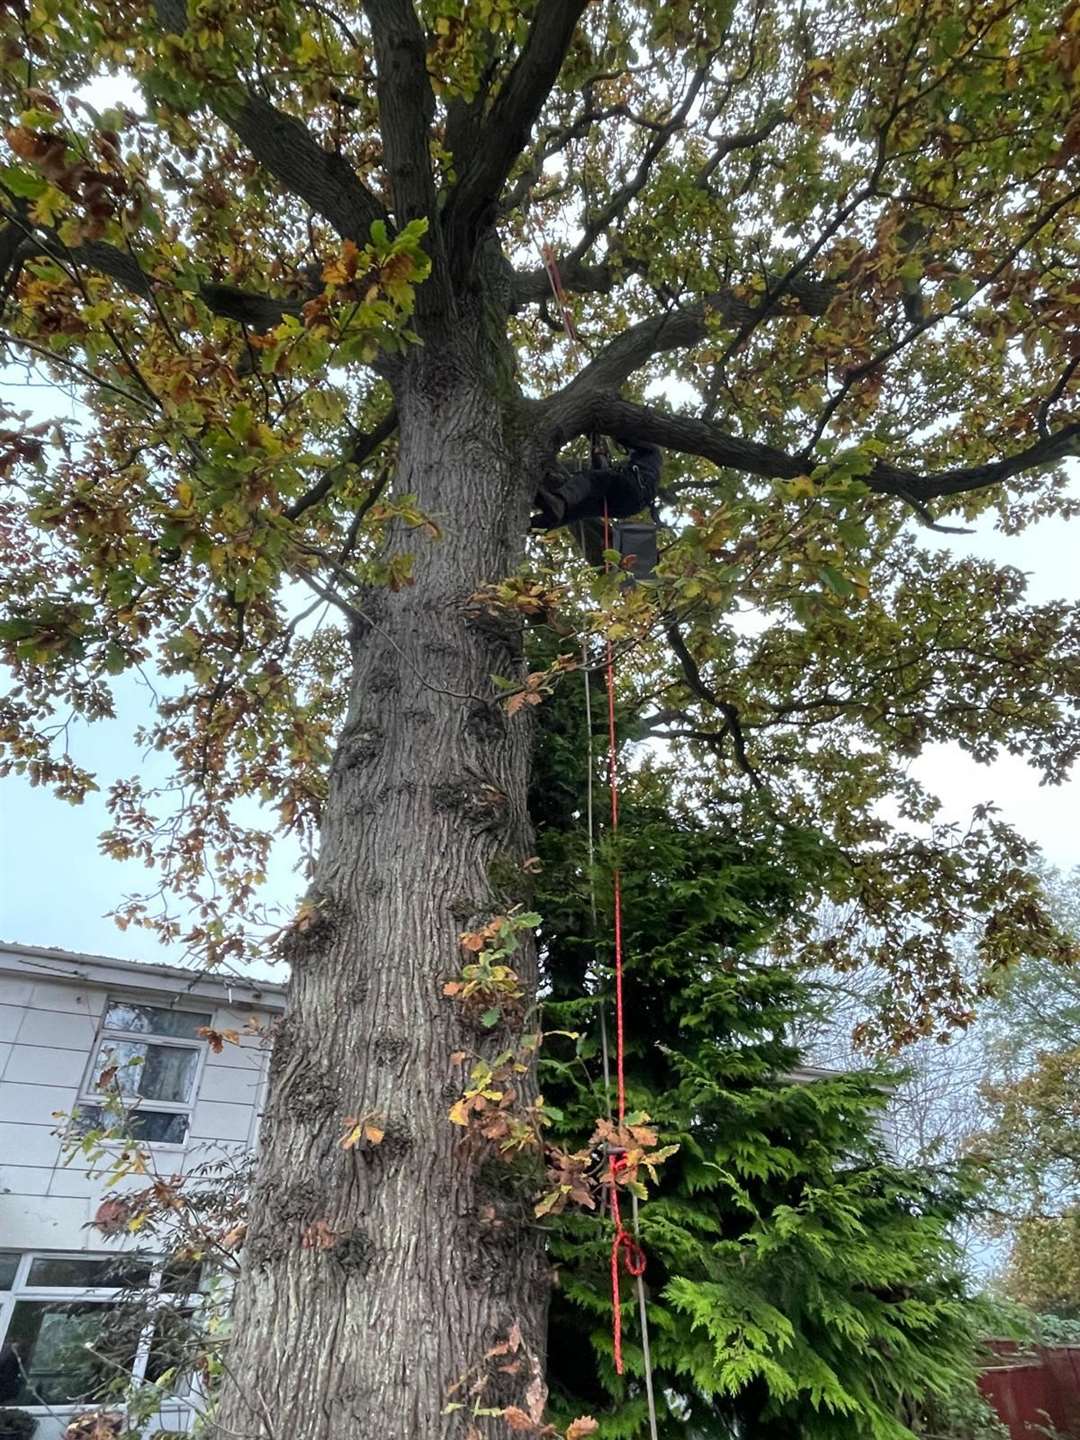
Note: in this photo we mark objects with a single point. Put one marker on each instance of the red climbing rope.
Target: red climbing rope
(551, 265)
(616, 877)
(625, 1250)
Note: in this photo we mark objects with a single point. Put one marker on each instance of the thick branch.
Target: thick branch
(569, 415)
(533, 287)
(286, 148)
(246, 307)
(625, 420)
(806, 296)
(406, 110)
(505, 133)
(1049, 450)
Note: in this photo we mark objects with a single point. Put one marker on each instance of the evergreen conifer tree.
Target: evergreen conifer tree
(800, 1282)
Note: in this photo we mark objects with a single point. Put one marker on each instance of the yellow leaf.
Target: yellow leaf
(48, 207)
(351, 1138)
(801, 485)
(459, 1113)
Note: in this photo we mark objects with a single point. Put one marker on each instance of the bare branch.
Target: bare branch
(705, 692)
(743, 140)
(596, 225)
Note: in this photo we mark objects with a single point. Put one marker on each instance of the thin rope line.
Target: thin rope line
(624, 1247)
(590, 820)
(646, 1352)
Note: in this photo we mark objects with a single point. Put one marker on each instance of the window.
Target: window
(71, 1325)
(151, 1055)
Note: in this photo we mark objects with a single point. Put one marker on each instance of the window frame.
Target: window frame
(89, 1095)
(185, 1397)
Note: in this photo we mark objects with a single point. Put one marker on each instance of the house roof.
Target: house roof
(47, 963)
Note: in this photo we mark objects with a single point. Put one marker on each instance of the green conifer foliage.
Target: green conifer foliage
(800, 1283)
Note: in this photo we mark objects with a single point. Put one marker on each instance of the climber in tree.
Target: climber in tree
(568, 495)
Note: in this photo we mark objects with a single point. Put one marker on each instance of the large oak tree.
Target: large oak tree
(825, 256)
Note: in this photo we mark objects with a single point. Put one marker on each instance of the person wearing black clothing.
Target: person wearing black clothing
(567, 496)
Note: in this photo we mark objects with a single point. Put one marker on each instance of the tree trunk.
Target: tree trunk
(377, 1278)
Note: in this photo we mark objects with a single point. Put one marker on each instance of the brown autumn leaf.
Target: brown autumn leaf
(521, 699)
(361, 1127)
(218, 1039)
(517, 1419)
(583, 1425)
(318, 1236)
(111, 1216)
(107, 1076)
(353, 1132)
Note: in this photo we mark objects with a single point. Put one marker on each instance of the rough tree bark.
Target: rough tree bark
(402, 1283)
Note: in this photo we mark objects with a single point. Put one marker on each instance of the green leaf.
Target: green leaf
(23, 182)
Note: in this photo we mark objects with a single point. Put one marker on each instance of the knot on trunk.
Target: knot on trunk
(476, 801)
(313, 930)
(355, 1251)
(358, 746)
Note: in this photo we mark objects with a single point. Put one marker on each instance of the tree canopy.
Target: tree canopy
(294, 273)
(825, 257)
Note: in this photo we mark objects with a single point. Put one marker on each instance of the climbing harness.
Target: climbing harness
(626, 1250)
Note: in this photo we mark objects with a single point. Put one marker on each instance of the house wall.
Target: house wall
(51, 1010)
(47, 1034)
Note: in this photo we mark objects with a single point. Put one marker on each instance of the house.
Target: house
(64, 1020)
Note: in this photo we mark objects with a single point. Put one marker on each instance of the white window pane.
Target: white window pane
(154, 1020)
(149, 1072)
